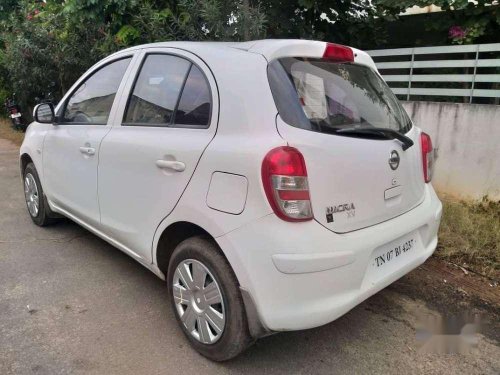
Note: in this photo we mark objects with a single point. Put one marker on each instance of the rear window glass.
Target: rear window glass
(325, 96)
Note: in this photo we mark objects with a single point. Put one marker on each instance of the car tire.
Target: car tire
(191, 255)
(38, 208)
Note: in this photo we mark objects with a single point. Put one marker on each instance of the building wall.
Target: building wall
(467, 138)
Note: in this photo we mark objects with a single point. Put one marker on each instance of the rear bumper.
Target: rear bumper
(302, 275)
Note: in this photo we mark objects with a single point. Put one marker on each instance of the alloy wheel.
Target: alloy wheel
(31, 195)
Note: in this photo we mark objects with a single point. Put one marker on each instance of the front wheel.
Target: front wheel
(207, 301)
(33, 193)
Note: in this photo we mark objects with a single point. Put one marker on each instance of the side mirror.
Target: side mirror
(44, 113)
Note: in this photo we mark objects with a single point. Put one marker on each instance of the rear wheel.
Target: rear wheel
(33, 193)
(207, 301)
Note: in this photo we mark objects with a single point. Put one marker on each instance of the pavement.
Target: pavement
(72, 304)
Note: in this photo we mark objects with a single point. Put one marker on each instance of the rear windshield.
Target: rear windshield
(324, 96)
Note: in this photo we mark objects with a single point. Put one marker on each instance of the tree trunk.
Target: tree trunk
(246, 20)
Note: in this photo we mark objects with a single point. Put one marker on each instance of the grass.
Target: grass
(6, 132)
(470, 235)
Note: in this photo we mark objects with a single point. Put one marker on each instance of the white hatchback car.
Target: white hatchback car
(274, 184)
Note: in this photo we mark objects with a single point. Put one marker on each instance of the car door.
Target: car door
(149, 156)
(71, 146)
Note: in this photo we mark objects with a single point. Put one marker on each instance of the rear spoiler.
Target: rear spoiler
(278, 48)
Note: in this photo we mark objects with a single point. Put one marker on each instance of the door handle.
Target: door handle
(177, 166)
(87, 150)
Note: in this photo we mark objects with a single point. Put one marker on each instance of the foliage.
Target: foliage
(463, 21)
(46, 46)
(193, 20)
(4, 81)
(350, 22)
(470, 234)
(6, 8)
(225, 19)
(44, 52)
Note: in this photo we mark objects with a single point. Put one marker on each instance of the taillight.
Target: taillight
(338, 53)
(427, 156)
(284, 176)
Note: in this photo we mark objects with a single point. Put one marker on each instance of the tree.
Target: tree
(343, 21)
(463, 22)
(6, 8)
(44, 52)
(46, 45)
(193, 20)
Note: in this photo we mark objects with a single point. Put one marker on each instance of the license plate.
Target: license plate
(15, 115)
(391, 257)
(392, 254)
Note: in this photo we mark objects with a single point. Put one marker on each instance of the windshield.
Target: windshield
(324, 96)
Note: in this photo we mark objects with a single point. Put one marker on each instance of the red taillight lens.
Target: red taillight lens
(284, 177)
(427, 156)
(338, 53)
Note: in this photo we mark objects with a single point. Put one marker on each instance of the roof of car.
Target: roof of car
(269, 48)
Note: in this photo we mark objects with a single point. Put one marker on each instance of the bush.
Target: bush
(46, 46)
(470, 234)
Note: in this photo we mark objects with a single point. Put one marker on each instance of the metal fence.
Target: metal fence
(419, 71)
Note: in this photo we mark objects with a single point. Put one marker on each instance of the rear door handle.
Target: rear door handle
(177, 166)
(87, 150)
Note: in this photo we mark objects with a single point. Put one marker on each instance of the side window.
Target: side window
(195, 103)
(92, 101)
(156, 91)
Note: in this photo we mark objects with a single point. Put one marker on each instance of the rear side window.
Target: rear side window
(325, 96)
(195, 103)
(169, 91)
(92, 101)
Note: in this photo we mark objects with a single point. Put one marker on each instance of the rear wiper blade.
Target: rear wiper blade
(385, 132)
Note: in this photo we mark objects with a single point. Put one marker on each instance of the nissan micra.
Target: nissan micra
(273, 184)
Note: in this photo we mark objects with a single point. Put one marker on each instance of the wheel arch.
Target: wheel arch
(172, 236)
(24, 160)
(179, 231)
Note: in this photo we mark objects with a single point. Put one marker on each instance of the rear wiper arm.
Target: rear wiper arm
(385, 132)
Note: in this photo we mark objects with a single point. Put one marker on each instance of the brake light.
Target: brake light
(338, 53)
(284, 177)
(427, 156)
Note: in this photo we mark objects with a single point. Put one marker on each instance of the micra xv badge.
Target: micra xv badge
(345, 207)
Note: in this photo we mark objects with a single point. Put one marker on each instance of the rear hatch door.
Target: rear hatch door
(357, 177)
(351, 182)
